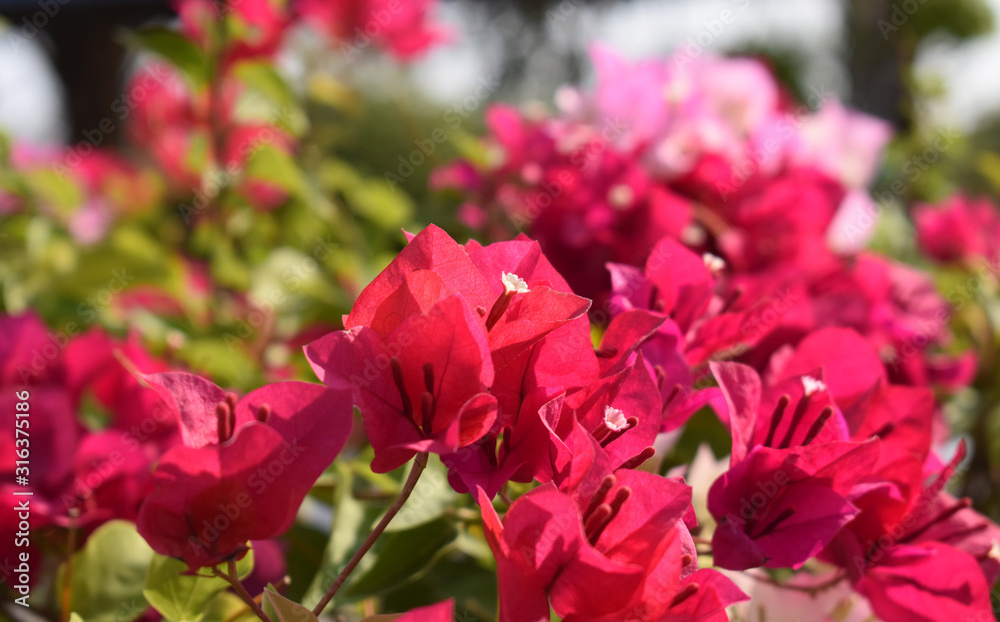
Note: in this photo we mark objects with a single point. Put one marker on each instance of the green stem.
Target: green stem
(418, 467)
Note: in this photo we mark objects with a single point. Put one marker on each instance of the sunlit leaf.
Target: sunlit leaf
(108, 574)
(179, 596)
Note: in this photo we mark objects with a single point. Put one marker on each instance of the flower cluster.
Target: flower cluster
(478, 353)
(694, 191)
(692, 269)
(709, 151)
(482, 354)
(97, 433)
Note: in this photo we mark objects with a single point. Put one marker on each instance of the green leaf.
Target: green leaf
(174, 48)
(376, 201)
(472, 586)
(228, 607)
(107, 577)
(430, 498)
(57, 187)
(327, 90)
(280, 608)
(350, 521)
(403, 555)
(179, 597)
(988, 164)
(284, 110)
(223, 359)
(270, 164)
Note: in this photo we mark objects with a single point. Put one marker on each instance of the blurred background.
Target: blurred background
(60, 73)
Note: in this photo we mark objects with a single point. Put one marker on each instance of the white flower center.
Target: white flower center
(812, 385)
(614, 419)
(513, 283)
(714, 263)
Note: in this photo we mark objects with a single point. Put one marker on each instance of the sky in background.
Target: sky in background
(31, 108)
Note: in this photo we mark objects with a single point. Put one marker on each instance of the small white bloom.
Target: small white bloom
(513, 283)
(614, 419)
(693, 235)
(714, 263)
(994, 553)
(812, 385)
(620, 196)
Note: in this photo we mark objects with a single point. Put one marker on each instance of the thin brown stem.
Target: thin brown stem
(812, 590)
(504, 496)
(232, 576)
(418, 467)
(259, 599)
(67, 591)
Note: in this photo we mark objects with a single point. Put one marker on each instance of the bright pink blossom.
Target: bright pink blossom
(793, 467)
(244, 468)
(404, 29)
(961, 228)
(627, 537)
(443, 346)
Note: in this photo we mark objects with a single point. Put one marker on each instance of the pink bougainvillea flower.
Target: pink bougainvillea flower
(33, 364)
(421, 387)
(104, 473)
(930, 582)
(905, 319)
(850, 365)
(551, 549)
(254, 28)
(523, 451)
(843, 143)
(913, 550)
(961, 228)
(244, 468)
(404, 29)
(97, 366)
(622, 411)
(793, 468)
(769, 221)
(542, 337)
(113, 465)
(444, 344)
(440, 612)
(585, 204)
(953, 522)
(176, 124)
(629, 95)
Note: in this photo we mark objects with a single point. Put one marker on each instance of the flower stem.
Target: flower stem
(812, 590)
(419, 463)
(67, 592)
(233, 577)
